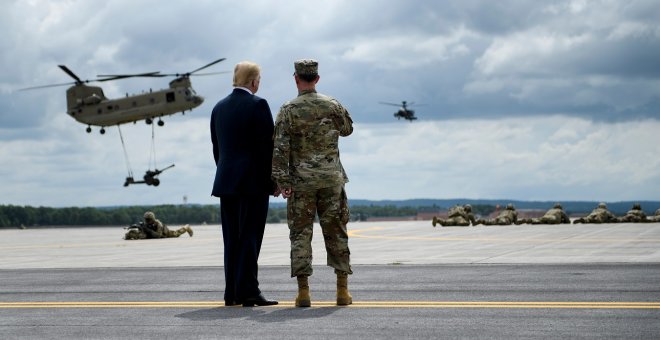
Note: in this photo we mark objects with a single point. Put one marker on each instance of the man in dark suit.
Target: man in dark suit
(241, 133)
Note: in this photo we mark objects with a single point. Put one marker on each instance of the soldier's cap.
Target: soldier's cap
(308, 67)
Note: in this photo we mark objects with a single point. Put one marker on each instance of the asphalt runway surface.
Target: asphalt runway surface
(410, 281)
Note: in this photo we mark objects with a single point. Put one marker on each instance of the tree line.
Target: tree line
(26, 216)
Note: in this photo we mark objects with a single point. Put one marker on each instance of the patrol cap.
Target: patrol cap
(308, 67)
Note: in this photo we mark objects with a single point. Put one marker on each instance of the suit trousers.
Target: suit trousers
(243, 222)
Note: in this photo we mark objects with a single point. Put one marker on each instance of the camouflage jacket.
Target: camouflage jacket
(655, 218)
(601, 214)
(306, 142)
(459, 211)
(636, 214)
(559, 214)
(154, 230)
(508, 214)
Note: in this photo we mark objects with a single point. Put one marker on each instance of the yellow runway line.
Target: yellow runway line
(356, 304)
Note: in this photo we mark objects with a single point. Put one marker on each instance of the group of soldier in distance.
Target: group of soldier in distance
(458, 216)
(461, 216)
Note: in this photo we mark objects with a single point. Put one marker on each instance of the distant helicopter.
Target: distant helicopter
(88, 105)
(403, 112)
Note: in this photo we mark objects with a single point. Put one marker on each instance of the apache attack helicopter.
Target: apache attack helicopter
(403, 112)
(88, 105)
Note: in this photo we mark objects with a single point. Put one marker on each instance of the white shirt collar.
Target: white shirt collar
(244, 89)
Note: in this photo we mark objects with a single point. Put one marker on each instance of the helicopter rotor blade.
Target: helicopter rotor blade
(209, 73)
(385, 103)
(106, 77)
(207, 65)
(191, 73)
(45, 86)
(70, 73)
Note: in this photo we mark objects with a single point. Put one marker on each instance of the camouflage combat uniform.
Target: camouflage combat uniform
(634, 215)
(306, 159)
(458, 216)
(655, 218)
(556, 215)
(598, 215)
(507, 216)
(153, 228)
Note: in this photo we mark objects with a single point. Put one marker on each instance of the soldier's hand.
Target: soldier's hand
(287, 192)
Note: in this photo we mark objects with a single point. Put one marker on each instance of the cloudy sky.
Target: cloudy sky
(529, 100)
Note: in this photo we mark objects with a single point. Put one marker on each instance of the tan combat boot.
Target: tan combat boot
(344, 298)
(303, 299)
(189, 230)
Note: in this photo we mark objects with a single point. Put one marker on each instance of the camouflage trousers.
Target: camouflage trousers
(632, 219)
(596, 219)
(332, 207)
(498, 221)
(137, 234)
(542, 220)
(174, 233)
(456, 221)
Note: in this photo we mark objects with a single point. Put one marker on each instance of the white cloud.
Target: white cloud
(542, 158)
(406, 50)
(526, 53)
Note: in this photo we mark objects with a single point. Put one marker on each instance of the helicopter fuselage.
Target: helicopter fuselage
(405, 114)
(88, 105)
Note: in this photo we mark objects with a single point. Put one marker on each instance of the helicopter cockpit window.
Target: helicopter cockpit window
(169, 96)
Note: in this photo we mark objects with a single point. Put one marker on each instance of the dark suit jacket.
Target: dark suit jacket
(242, 136)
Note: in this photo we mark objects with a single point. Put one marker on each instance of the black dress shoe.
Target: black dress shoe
(258, 300)
(232, 303)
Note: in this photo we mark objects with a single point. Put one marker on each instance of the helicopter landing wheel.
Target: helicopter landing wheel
(88, 129)
(148, 121)
(161, 122)
(102, 131)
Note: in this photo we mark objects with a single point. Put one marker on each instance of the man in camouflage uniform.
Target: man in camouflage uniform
(634, 215)
(309, 173)
(556, 215)
(507, 216)
(655, 218)
(153, 228)
(598, 215)
(458, 216)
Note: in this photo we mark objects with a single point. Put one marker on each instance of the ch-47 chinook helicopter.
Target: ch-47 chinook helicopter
(403, 112)
(88, 105)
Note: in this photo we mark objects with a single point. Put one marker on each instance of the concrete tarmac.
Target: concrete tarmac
(411, 281)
